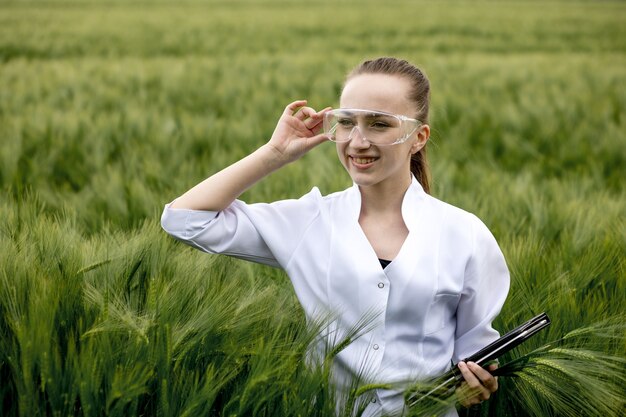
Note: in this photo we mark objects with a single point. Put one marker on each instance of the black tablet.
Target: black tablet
(510, 340)
(444, 385)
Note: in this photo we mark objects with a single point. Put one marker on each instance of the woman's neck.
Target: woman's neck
(383, 198)
(381, 218)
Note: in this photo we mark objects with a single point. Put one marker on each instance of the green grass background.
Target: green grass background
(110, 109)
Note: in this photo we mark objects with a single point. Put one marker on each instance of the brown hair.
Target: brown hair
(419, 94)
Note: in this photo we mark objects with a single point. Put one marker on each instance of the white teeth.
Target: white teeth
(363, 160)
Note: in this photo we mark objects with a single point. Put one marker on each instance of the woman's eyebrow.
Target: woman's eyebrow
(368, 115)
(375, 115)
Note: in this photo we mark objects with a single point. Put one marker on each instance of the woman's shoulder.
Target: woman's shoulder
(338, 195)
(458, 219)
(450, 210)
(317, 198)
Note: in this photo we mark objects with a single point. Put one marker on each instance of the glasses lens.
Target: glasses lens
(375, 127)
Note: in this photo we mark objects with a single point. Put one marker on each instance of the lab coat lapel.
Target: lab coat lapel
(418, 251)
(355, 269)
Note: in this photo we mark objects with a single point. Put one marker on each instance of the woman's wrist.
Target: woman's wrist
(272, 157)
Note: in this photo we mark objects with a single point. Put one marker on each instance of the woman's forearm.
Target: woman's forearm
(219, 190)
(296, 133)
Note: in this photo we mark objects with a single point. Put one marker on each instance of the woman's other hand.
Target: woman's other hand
(299, 129)
(479, 384)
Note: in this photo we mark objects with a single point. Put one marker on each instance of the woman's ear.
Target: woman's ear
(422, 133)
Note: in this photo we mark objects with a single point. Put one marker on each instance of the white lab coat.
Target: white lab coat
(434, 303)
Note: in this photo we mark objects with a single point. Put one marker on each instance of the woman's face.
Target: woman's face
(380, 166)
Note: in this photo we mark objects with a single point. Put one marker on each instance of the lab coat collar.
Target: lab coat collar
(412, 202)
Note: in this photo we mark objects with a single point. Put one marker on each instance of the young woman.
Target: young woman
(432, 273)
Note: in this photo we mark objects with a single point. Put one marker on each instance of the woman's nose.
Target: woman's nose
(357, 138)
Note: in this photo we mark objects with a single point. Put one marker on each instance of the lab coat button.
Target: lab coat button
(373, 400)
(381, 285)
(375, 347)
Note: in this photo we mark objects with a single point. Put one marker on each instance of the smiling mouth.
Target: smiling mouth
(363, 160)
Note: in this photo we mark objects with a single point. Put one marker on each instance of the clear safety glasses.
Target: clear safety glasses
(375, 127)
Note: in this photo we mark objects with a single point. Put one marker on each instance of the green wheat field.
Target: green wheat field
(111, 109)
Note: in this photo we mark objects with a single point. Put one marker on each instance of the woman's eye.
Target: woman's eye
(345, 122)
(380, 125)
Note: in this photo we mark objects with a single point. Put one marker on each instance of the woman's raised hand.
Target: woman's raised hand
(299, 130)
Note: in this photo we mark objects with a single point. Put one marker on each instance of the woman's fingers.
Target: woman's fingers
(298, 130)
(478, 385)
(299, 110)
(312, 119)
(304, 113)
(485, 377)
(293, 106)
(492, 368)
(315, 120)
(473, 387)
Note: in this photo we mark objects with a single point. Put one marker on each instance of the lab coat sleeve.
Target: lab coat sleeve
(484, 291)
(262, 233)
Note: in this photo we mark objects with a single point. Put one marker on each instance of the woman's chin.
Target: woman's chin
(363, 179)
